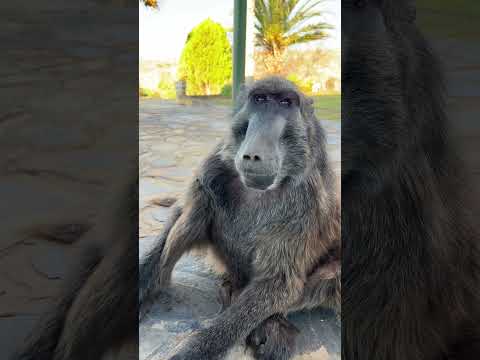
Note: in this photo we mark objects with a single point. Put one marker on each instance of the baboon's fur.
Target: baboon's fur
(280, 246)
(411, 259)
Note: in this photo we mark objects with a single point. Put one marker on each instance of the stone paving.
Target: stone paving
(173, 141)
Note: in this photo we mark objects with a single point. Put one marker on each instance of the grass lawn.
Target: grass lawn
(327, 107)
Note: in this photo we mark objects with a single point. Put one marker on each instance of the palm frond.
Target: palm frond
(281, 23)
(150, 3)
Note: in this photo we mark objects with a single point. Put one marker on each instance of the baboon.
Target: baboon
(265, 200)
(97, 310)
(411, 257)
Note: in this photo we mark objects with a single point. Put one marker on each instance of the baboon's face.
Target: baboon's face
(375, 57)
(268, 135)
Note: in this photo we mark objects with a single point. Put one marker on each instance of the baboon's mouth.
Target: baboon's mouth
(257, 181)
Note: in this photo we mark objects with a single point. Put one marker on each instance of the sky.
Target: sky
(163, 31)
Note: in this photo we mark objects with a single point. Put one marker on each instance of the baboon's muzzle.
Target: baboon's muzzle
(258, 159)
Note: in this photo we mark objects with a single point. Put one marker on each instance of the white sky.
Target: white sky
(163, 31)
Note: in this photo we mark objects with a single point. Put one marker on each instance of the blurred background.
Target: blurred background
(186, 48)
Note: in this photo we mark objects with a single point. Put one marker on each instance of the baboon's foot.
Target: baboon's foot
(274, 339)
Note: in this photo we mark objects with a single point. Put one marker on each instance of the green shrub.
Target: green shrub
(227, 90)
(305, 86)
(206, 60)
(146, 92)
(166, 89)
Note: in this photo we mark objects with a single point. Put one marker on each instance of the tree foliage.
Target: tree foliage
(206, 60)
(150, 3)
(282, 23)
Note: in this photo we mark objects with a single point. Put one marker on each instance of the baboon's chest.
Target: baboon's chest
(237, 234)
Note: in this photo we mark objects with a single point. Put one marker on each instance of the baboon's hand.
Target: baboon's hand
(273, 339)
(253, 305)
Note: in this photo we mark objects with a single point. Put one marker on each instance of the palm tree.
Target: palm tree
(150, 3)
(282, 23)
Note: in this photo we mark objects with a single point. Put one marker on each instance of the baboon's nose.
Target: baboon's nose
(249, 157)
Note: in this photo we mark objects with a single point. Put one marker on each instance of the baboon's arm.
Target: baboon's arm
(187, 227)
(258, 301)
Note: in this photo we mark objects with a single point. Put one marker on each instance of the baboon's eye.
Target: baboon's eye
(260, 98)
(286, 102)
(360, 4)
(241, 130)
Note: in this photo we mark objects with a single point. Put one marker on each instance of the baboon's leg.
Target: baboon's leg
(259, 300)
(149, 267)
(274, 339)
(323, 288)
(187, 227)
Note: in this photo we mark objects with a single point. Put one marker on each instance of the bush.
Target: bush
(143, 92)
(206, 60)
(227, 90)
(305, 86)
(166, 89)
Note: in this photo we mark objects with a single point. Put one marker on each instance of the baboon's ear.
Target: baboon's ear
(243, 88)
(307, 106)
(242, 94)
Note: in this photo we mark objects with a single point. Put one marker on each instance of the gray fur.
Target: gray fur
(281, 246)
(411, 268)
